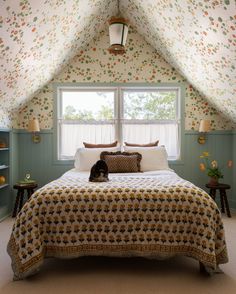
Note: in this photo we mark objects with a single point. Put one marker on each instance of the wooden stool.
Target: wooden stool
(20, 195)
(223, 196)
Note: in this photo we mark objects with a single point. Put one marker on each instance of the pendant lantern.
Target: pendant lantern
(118, 31)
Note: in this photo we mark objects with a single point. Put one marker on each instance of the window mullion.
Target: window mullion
(120, 98)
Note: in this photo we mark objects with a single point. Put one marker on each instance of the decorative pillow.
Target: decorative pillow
(122, 162)
(86, 157)
(89, 145)
(143, 145)
(153, 158)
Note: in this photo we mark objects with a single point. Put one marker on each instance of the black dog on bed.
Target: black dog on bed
(99, 172)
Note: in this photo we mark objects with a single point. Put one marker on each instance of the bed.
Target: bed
(153, 214)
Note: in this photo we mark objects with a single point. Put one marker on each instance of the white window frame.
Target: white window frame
(143, 121)
(118, 90)
(60, 119)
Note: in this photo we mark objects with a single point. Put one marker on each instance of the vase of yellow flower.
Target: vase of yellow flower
(212, 168)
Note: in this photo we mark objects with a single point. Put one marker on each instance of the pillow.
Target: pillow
(85, 158)
(89, 145)
(142, 145)
(153, 158)
(122, 162)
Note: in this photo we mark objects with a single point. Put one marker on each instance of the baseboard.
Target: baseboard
(232, 204)
(4, 217)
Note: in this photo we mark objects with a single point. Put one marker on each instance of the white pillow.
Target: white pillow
(85, 158)
(153, 158)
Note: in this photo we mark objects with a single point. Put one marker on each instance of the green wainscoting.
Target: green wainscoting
(220, 146)
(38, 160)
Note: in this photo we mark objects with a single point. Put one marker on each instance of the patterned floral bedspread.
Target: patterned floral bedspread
(149, 215)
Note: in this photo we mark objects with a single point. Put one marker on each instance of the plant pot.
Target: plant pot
(214, 181)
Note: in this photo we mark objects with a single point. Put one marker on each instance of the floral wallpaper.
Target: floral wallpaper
(141, 63)
(41, 40)
(37, 39)
(198, 38)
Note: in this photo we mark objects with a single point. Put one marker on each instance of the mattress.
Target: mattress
(153, 214)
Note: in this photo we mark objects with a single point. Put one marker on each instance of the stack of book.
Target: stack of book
(26, 182)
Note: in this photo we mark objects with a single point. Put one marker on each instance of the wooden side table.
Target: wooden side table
(223, 196)
(20, 195)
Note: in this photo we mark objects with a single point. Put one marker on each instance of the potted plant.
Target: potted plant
(212, 168)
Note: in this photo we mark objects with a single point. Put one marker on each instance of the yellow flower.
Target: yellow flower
(202, 167)
(214, 164)
(205, 154)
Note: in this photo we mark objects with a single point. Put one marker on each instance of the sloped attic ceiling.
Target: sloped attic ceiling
(37, 38)
(198, 38)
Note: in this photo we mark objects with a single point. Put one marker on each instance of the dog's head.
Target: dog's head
(101, 168)
(99, 172)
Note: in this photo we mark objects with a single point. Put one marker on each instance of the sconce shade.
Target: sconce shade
(33, 125)
(205, 126)
(118, 31)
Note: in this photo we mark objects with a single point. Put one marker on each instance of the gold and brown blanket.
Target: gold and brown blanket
(145, 215)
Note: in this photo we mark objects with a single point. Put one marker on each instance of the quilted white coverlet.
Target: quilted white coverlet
(153, 214)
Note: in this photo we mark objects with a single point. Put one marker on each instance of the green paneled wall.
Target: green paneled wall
(220, 146)
(38, 160)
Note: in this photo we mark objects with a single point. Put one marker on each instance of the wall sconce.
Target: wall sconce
(33, 127)
(205, 127)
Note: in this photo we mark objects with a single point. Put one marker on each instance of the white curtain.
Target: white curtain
(167, 134)
(73, 135)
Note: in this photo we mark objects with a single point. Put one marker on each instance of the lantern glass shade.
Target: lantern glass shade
(118, 31)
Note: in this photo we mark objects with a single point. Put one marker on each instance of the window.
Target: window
(149, 115)
(84, 116)
(127, 114)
